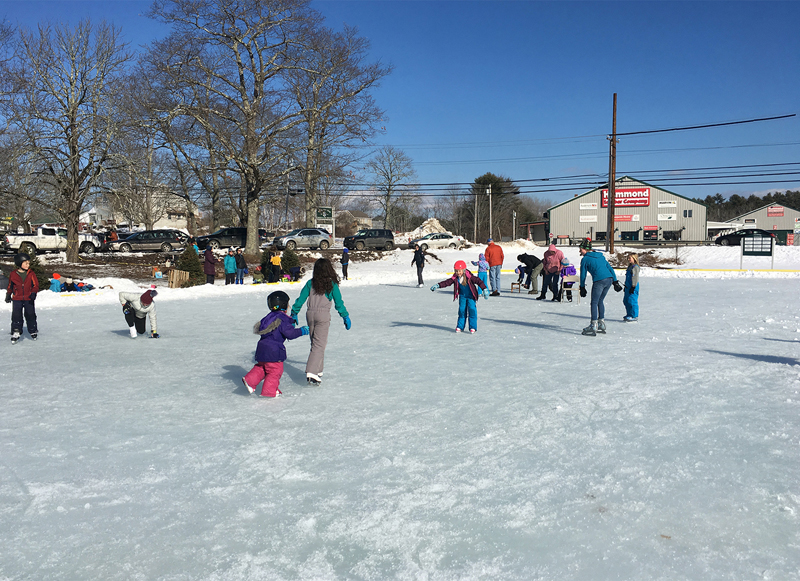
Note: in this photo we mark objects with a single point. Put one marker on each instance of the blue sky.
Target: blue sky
(524, 89)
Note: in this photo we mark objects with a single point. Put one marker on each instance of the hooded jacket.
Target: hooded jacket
(274, 329)
(230, 264)
(139, 308)
(472, 281)
(552, 259)
(19, 290)
(482, 265)
(596, 264)
(208, 262)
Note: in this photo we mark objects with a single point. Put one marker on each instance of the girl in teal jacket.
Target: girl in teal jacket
(230, 267)
(321, 292)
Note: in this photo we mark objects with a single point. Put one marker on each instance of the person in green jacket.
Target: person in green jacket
(321, 291)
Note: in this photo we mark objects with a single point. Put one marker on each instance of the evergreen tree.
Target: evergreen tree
(38, 270)
(190, 263)
(289, 260)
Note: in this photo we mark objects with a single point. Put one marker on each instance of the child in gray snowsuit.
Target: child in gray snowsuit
(321, 291)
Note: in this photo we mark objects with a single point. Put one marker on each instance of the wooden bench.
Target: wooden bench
(517, 286)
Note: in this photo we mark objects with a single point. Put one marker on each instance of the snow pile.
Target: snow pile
(429, 226)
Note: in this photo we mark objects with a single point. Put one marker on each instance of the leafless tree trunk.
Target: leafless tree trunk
(63, 107)
(393, 181)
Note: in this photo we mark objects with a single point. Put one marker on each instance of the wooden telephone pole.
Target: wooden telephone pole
(612, 169)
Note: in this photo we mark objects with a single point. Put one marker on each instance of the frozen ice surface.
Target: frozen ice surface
(666, 449)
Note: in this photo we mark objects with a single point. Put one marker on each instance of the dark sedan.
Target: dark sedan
(159, 240)
(735, 238)
(226, 237)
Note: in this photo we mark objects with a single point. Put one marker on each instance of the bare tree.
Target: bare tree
(393, 181)
(66, 82)
(228, 75)
(331, 84)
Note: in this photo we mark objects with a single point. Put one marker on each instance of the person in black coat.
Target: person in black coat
(533, 267)
(209, 265)
(345, 262)
(419, 260)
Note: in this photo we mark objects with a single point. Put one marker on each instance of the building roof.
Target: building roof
(605, 185)
(761, 208)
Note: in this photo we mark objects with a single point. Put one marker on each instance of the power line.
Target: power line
(707, 125)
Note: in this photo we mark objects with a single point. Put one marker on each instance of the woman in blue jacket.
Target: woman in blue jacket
(230, 267)
(603, 277)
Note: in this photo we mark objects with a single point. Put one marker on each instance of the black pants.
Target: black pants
(275, 273)
(209, 279)
(230, 277)
(344, 270)
(550, 282)
(134, 320)
(26, 308)
(419, 274)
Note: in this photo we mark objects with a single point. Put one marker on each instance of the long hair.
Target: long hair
(324, 276)
(635, 257)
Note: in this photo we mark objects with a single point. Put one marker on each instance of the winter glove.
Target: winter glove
(294, 318)
(434, 287)
(154, 335)
(33, 296)
(486, 293)
(8, 297)
(304, 330)
(347, 323)
(127, 308)
(617, 286)
(583, 291)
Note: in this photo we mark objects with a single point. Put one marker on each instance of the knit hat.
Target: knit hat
(586, 244)
(490, 240)
(460, 265)
(347, 251)
(68, 281)
(565, 262)
(56, 275)
(147, 296)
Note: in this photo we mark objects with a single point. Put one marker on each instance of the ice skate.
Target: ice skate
(601, 326)
(472, 331)
(458, 330)
(250, 389)
(14, 337)
(313, 379)
(133, 332)
(590, 330)
(628, 319)
(34, 336)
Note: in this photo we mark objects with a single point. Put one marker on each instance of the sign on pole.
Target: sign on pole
(757, 246)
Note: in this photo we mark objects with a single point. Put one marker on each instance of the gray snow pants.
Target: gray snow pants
(318, 317)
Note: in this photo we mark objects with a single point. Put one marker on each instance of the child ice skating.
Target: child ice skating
(136, 306)
(230, 267)
(321, 291)
(273, 329)
(22, 289)
(567, 269)
(483, 268)
(631, 297)
(465, 290)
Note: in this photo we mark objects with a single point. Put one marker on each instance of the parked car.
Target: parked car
(438, 240)
(734, 238)
(370, 238)
(304, 238)
(226, 237)
(48, 238)
(159, 240)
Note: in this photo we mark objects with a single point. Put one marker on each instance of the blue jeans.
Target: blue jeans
(467, 309)
(631, 302)
(599, 292)
(494, 277)
(239, 276)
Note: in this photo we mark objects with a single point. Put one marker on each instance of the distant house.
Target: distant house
(354, 219)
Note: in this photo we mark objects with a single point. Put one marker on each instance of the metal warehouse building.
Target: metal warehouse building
(642, 212)
(780, 220)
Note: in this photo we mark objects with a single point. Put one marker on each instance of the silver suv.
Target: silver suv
(304, 238)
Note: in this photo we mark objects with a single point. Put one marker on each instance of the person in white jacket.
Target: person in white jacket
(136, 308)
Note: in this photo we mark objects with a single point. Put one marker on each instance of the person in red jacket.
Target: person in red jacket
(494, 256)
(22, 288)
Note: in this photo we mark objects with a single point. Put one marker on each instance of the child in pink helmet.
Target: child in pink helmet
(465, 289)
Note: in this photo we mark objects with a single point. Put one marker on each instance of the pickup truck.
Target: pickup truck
(48, 239)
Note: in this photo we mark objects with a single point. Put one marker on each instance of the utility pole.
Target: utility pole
(612, 168)
(489, 191)
(475, 216)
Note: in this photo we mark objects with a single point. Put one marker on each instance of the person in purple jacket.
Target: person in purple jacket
(274, 329)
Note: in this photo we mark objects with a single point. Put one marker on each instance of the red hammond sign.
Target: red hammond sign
(775, 212)
(628, 197)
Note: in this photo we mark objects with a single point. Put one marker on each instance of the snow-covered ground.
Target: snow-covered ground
(666, 449)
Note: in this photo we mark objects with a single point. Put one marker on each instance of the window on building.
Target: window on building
(629, 235)
(687, 213)
(599, 235)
